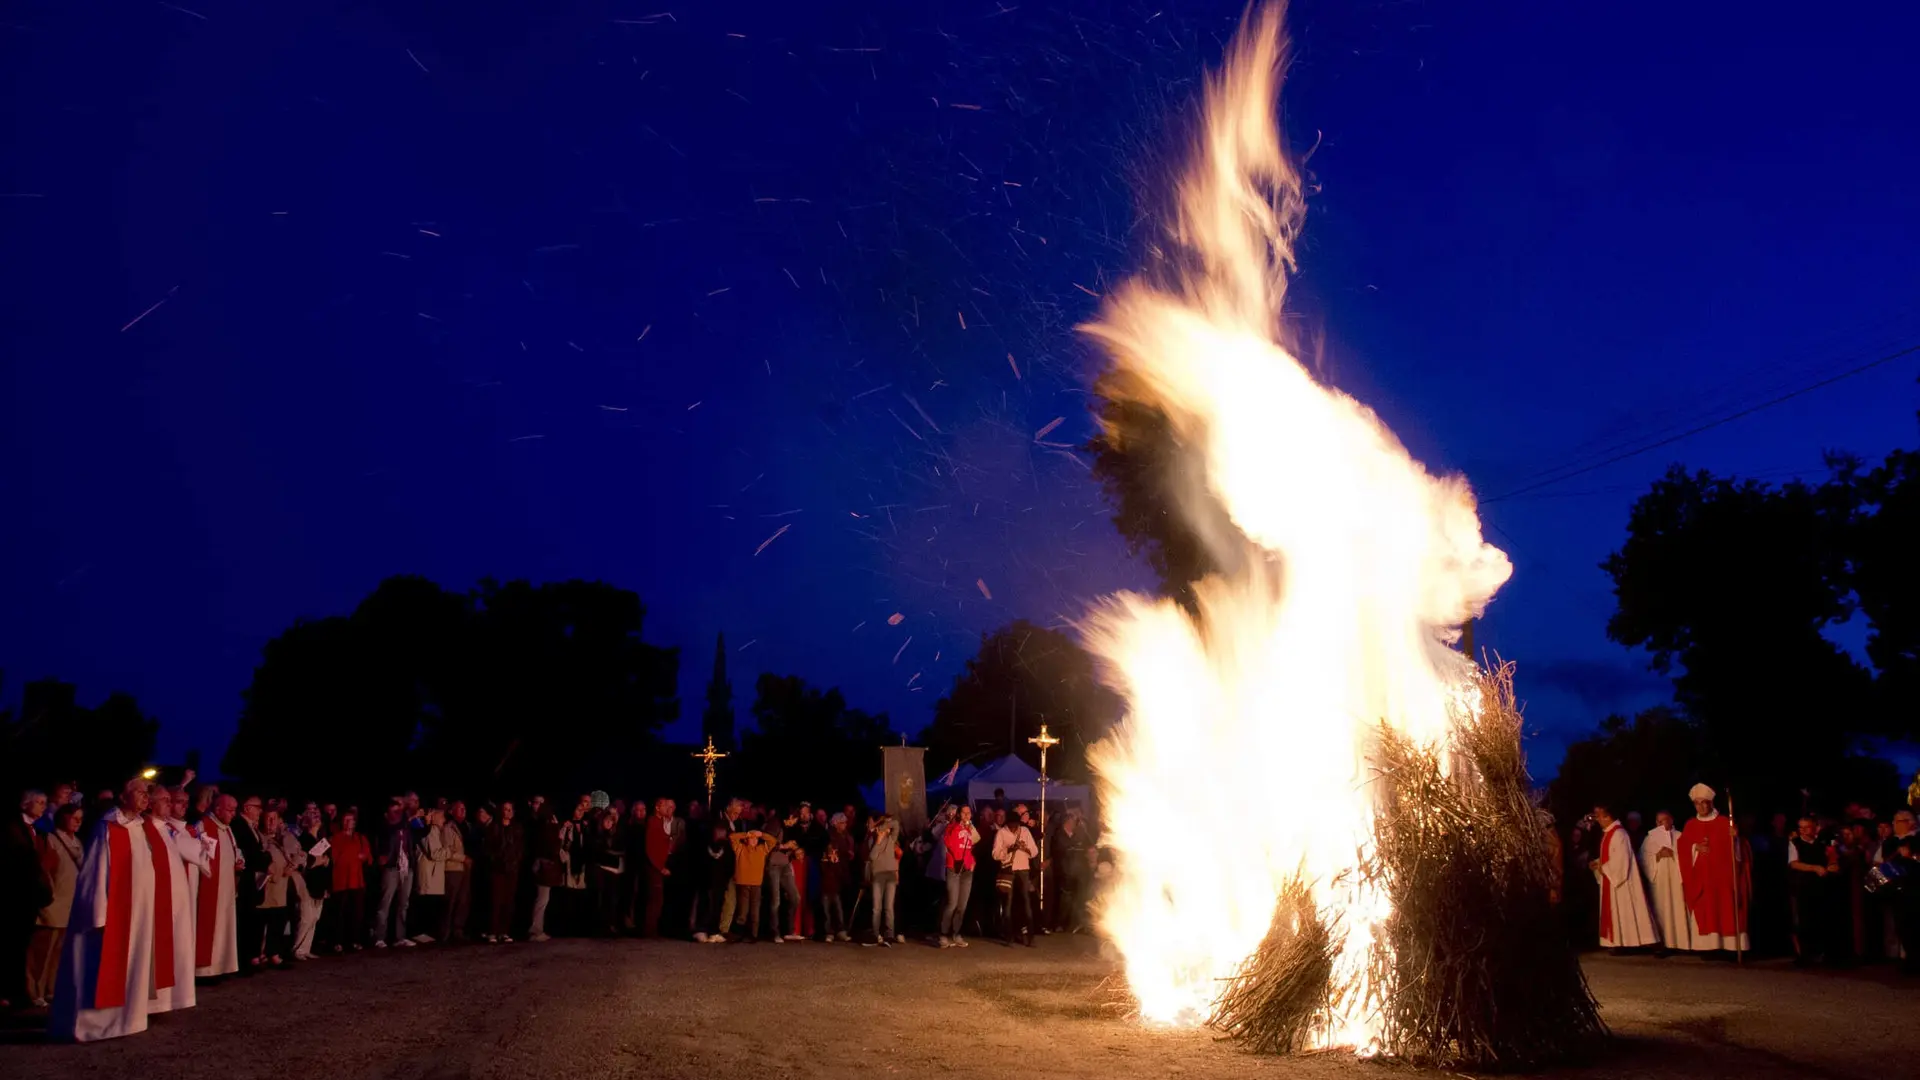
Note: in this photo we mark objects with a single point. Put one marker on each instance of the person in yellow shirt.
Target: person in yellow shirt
(750, 850)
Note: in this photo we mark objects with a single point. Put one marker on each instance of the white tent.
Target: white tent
(1021, 782)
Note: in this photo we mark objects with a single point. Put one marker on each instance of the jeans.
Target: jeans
(396, 890)
(780, 885)
(886, 883)
(959, 888)
(833, 912)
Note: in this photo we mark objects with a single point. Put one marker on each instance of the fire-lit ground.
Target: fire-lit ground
(671, 1010)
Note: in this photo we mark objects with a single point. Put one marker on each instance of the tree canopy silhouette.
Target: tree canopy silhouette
(807, 743)
(1732, 587)
(509, 687)
(54, 738)
(1023, 676)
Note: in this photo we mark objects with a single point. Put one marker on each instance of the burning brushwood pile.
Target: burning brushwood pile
(1375, 879)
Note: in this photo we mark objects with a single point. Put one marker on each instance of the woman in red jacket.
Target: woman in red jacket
(351, 855)
(958, 841)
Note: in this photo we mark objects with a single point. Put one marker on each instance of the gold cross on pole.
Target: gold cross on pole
(1043, 741)
(709, 756)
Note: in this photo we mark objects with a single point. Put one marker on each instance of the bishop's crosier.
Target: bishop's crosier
(1243, 757)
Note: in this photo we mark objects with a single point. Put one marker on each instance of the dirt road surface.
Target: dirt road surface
(670, 1010)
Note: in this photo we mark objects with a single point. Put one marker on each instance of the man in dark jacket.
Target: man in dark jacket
(393, 854)
(24, 890)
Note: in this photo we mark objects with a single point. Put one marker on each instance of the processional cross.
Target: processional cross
(709, 756)
(1043, 741)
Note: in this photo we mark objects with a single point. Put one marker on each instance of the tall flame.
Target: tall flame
(1242, 761)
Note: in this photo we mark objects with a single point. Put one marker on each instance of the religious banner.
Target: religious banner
(906, 781)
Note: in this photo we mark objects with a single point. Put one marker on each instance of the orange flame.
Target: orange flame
(1241, 762)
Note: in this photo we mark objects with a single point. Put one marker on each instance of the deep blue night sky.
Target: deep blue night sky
(610, 293)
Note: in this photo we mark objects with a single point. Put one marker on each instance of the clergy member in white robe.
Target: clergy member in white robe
(1660, 859)
(188, 859)
(107, 968)
(216, 938)
(1625, 922)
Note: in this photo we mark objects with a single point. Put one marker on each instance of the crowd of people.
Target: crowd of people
(1839, 889)
(120, 909)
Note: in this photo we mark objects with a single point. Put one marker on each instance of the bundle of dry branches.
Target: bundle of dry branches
(1282, 994)
(1473, 969)
(1477, 972)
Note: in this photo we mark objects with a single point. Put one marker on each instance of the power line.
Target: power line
(1708, 426)
(1675, 415)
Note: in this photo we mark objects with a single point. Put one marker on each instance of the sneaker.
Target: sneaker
(960, 942)
(700, 936)
(900, 939)
(886, 944)
(356, 948)
(537, 936)
(716, 939)
(844, 936)
(422, 939)
(778, 940)
(404, 943)
(505, 940)
(946, 943)
(795, 937)
(377, 943)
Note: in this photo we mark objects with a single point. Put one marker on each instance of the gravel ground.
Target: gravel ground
(672, 1010)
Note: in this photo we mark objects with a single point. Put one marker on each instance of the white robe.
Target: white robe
(73, 1017)
(1623, 896)
(1669, 892)
(226, 936)
(189, 862)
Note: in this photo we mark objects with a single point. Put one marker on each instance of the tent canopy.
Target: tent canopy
(1021, 782)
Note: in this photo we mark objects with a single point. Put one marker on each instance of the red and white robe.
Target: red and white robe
(1625, 922)
(107, 970)
(1714, 871)
(216, 940)
(187, 859)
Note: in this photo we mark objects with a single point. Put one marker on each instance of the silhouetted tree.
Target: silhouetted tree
(1023, 676)
(1729, 585)
(1645, 764)
(806, 743)
(716, 722)
(1885, 574)
(54, 738)
(507, 688)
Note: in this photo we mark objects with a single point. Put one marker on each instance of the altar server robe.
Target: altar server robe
(189, 861)
(1624, 920)
(1668, 891)
(216, 938)
(107, 967)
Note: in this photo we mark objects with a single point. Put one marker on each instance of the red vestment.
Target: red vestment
(1708, 875)
(162, 906)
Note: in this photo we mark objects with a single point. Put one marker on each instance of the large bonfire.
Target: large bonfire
(1310, 781)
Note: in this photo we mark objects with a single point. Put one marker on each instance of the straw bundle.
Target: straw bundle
(1473, 969)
